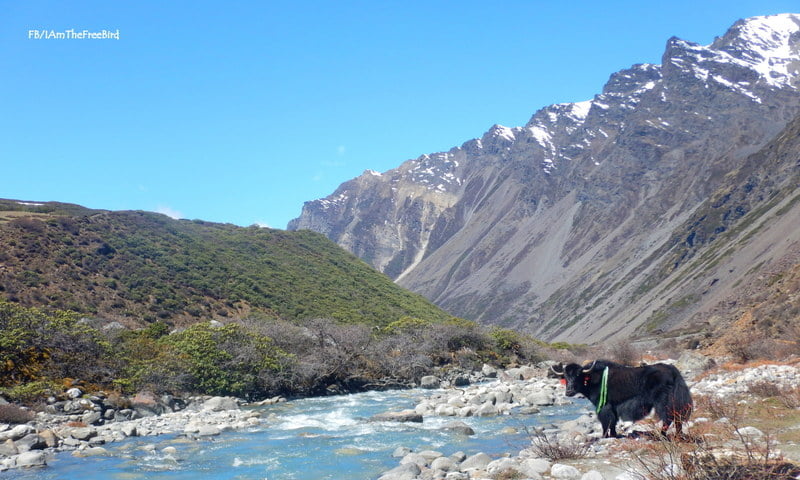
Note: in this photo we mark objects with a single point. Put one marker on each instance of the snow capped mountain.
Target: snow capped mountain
(536, 226)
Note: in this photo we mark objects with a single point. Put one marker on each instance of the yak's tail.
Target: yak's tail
(679, 405)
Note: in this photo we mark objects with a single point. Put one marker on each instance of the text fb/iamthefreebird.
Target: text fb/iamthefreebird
(72, 34)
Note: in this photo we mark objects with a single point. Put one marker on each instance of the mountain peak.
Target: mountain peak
(767, 44)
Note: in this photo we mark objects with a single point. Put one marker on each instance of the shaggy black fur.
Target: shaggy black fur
(633, 392)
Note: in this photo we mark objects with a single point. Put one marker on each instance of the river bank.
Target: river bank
(85, 423)
(744, 397)
(447, 415)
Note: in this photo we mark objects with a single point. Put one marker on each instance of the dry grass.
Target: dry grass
(555, 449)
(721, 448)
(10, 413)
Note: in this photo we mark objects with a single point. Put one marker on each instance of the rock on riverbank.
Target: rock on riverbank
(30, 445)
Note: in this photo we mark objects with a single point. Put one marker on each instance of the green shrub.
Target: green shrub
(30, 392)
(35, 344)
(227, 360)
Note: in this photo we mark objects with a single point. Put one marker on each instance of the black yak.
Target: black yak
(631, 393)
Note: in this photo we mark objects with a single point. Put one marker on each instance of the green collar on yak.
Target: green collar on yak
(603, 390)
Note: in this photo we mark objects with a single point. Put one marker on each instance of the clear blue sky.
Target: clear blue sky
(239, 112)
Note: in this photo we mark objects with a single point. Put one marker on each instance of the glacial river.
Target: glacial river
(310, 439)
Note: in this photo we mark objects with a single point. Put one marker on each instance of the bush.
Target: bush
(30, 392)
(35, 344)
(625, 353)
(10, 413)
(554, 448)
(227, 360)
(752, 348)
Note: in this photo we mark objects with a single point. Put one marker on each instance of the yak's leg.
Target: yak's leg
(665, 423)
(608, 421)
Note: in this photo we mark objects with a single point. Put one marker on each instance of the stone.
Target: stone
(488, 371)
(16, 433)
(414, 458)
(540, 399)
(34, 458)
(220, 404)
(457, 476)
(430, 455)
(401, 416)
(564, 472)
(429, 381)
(445, 410)
(74, 393)
(92, 418)
(407, 471)
(458, 457)
(594, 475)
(479, 461)
(91, 452)
(401, 452)
(501, 465)
(8, 448)
(461, 381)
(533, 467)
(443, 463)
(529, 410)
(146, 404)
(82, 433)
(692, 363)
(128, 429)
(71, 442)
(459, 427)
(750, 432)
(31, 441)
(208, 431)
(486, 410)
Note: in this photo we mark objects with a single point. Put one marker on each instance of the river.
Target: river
(308, 439)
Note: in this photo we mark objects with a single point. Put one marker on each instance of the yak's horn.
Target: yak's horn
(587, 370)
(561, 373)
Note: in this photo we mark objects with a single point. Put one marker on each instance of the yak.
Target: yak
(631, 393)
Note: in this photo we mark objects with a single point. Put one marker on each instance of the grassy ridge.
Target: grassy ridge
(139, 267)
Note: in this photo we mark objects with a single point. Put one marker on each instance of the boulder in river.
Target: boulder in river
(401, 416)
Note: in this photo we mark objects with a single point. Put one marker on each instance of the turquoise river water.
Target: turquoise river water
(309, 439)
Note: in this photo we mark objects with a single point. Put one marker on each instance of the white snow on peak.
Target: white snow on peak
(762, 44)
(373, 172)
(581, 109)
(769, 48)
(436, 172)
(30, 204)
(329, 202)
(504, 132)
(542, 136)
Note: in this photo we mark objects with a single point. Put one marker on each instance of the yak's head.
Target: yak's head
(576, 377)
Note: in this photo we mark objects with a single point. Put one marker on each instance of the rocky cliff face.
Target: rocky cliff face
(565, 226)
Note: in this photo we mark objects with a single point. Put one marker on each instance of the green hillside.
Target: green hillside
(140, 267)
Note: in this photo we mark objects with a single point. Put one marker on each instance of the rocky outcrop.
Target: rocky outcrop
(569, 226)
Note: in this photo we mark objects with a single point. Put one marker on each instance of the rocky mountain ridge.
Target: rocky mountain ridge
(563, 226)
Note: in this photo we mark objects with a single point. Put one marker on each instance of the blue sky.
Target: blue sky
(239, 112)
